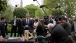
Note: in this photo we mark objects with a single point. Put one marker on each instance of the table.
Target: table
(16, 41)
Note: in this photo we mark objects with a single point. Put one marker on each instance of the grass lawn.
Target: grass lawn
(75, 42)
(10, 34)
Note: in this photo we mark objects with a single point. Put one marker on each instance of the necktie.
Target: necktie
(27, 21)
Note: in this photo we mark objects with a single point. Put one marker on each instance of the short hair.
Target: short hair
(2, 18)
(63, 18)
(50, 25)
(58, 18)
(46, 17)
(21, 17)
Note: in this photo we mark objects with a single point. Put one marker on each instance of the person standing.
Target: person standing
(27, 23)
(20, 28)
(41, 28)
(50, 20)
(2, 27)
(14, 26)
(74, 28)
(66, 25)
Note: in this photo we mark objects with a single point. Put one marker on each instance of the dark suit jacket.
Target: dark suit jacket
(30, 24)
(6, 24)
(59, 35)
(19, 23)
(46, 21)
(12, 22)
(20, 27)
(2, 29)
(2, 26)
(67, 27)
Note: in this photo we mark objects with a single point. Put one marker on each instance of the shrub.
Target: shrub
(9, 28)
(20, 12)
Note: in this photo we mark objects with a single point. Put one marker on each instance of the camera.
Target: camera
(41, 39)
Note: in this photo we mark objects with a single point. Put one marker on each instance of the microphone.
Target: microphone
(34, 0)
(42, 6)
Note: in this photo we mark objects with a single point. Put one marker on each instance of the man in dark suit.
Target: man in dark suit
(48, 20)
(27, 23)
(14, 26)
(2, 26)
(20, 27)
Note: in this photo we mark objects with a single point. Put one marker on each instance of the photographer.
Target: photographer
(41, 31)
(57, 33)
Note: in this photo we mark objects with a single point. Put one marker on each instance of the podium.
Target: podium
(16, 40)
(27, 38)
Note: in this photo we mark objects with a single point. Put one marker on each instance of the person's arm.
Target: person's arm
(11, 22)
(23, 25)
(32, 23)
(0, 29)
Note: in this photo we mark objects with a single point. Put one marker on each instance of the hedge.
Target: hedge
(9, 28)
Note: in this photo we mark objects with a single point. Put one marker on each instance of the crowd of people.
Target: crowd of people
(58, 29)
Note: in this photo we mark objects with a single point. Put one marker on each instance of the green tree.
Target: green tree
(20, 12)
(56, 12)
(50, 4)
(31, 9)
(8, 13)
(38, 13)
(69, 6)
(3, 4)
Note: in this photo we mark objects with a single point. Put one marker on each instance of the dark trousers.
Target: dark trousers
(3, 33)
(13, 30)
(20, 31)
(6, 31)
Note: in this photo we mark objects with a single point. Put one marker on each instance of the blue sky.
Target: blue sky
(25, 2)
